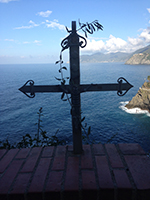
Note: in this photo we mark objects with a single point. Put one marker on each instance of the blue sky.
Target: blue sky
(31, 30)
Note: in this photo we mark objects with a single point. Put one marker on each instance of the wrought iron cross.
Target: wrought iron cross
(73, 42)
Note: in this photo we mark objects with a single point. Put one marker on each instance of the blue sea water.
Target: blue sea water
(103, 111)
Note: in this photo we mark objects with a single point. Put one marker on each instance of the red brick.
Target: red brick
(59, 159)
(48, 151)
(53, 187)
(21, 183)
(8, 177)
(114, 157)
(59, 163)
(122, 179)
(38, 180)
(2, 152)
(31, 160)
(88, 180)
(54, 182)
(60, 151)
(23, 153)
(123, 185)
(129, 149)
(7, 159)
(98, 149)
(86, 158)
(139, 167)
(72, 174)
(104, 175)
(89, 188)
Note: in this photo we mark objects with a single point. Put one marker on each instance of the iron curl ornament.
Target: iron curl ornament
(87, 28)
(65, 44)
(28, 87)
(120, 81)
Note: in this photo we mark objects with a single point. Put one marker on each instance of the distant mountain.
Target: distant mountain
(143, 50)
(140, 57)
(101, 57)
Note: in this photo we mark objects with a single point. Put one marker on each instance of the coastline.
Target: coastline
(135, 110)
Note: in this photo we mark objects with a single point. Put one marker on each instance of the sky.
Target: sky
(31, 31)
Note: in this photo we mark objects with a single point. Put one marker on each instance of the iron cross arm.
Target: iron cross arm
(31, 89)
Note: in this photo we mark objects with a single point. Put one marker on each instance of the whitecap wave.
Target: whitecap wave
(132, 110)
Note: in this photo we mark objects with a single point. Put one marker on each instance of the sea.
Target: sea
(104, 111)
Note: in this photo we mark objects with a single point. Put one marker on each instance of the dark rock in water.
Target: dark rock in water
(142, 98)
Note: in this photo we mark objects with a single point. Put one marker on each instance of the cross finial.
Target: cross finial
(73, 26)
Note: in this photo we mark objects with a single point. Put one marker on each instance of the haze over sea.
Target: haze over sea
(103, 111)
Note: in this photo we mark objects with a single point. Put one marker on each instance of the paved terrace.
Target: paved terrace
(104, 172)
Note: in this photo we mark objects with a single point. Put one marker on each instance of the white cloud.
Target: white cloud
(113, 44)
(44, 14)
(32, 24)
(93, 45)
(49, 24)
(54, 24)
(33, 42)
(6, 1)
(37, 42)
(135, 41)
(145, 35)
(23, 27)
(148, 10)
(10, 40)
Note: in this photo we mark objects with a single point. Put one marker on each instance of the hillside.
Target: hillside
(143, 50)
(142, 98)
(101, 57)
(140, 57)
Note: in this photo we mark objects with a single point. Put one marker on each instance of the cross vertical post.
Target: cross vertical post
(75, 94)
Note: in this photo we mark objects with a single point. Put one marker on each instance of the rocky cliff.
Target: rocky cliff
(139, 59)
(142, 98)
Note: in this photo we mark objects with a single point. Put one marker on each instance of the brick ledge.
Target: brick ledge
(119, 172)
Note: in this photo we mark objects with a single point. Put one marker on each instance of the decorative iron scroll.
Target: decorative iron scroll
(66, 42)
(120, 80)
(31, 85)
(83, 43)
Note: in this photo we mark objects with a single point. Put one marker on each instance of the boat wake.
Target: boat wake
(132, 110)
